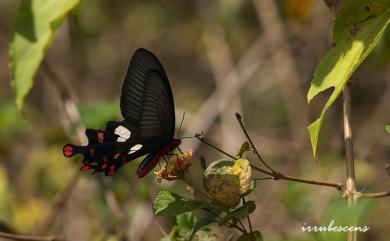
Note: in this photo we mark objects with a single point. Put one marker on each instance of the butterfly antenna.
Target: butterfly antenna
(181, 123)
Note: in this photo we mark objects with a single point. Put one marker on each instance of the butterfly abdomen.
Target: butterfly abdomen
(147, 165)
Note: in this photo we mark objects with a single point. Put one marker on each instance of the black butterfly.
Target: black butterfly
(148, 127)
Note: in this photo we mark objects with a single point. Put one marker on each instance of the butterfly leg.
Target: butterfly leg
(166, 162)
(180, 150)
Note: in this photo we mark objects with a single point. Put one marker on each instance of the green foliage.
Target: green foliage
(248, 237)
(387, 128)
(296, 199)
(96, 114)
(241, 212)
(35, 26)
(357, 30)
(183, 229)
(167, 203)
(186, 220)
(11, 122)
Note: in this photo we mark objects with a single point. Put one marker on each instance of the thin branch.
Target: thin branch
(240, 222)
(338, 186)
(373, 195)
(202, 139)
(263, 178)
(238, 116)
(27, 237)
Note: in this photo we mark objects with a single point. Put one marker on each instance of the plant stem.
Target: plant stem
(242, 225)
(229, 225)
(350, 165)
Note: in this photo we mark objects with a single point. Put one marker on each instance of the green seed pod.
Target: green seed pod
(226, 180)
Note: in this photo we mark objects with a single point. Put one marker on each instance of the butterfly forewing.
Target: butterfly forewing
(156, 118)
(133, 87)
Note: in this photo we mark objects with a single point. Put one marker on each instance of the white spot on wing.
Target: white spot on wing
(135, 148)
(123, 133)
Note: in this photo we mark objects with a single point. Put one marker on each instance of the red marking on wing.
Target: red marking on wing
(68, 151)
(112, 171)
(85, 168)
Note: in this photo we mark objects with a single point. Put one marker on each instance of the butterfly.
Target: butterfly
(148, 128)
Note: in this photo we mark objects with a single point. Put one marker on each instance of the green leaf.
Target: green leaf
(251, 188)
(244, 148)
(387, 128)
(357, 30)
(167, 203)
(248, 237)
(35, 26)
(201, 223)
(243, 211)
(186, 220)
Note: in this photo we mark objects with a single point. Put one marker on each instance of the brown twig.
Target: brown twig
(27, 237)
(202, 139)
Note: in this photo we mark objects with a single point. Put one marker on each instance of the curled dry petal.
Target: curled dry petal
(177, 164)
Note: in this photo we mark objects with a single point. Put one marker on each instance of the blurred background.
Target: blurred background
(253, 57)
